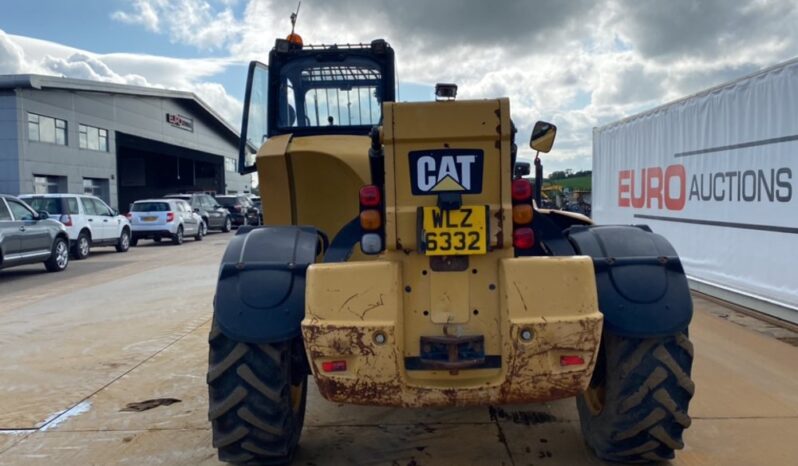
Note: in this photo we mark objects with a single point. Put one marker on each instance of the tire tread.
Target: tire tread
(249, 400)
(648, 391)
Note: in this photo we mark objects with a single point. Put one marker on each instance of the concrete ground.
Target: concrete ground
(80, 351)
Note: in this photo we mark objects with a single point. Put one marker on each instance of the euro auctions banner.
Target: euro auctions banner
(717, 175)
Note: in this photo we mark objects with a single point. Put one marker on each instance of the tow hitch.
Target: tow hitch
(450, 353)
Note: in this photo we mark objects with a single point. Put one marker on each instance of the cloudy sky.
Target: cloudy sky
(577, 63)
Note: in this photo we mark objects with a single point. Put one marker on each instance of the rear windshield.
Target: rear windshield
(51, 205)
(150, 207)
(227, 201)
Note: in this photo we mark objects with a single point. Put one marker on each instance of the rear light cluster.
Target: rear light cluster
(333, 366)
(523, 235)
(170, 217)
(372, 222)
(129, 215)
(66, 220)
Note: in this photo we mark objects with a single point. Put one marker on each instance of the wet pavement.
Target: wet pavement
(105, 364)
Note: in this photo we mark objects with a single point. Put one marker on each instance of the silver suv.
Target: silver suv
(214, 215)
(27, 237)
(165, 218)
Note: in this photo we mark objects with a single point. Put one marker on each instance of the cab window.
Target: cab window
(72, 206)
(88, 206)
(19, 210)
(347, 93)
(100, 207)
(5, 215)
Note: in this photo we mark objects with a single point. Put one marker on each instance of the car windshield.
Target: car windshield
(150, 207)
(51, 205)
(347, 93)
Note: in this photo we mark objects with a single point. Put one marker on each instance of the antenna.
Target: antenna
(294, 16)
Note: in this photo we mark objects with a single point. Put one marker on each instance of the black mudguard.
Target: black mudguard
(260, 295)
(642, 289)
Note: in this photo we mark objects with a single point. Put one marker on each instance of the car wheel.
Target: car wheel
(59, 257)
(124, 241)
(82, 246)
(201, 231)
(228, 225)
(157, 239)
(178, 237)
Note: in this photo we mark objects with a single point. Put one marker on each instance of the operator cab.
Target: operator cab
(315, 90)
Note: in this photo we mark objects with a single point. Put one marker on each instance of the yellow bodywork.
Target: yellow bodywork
(312, 180)
(348, 305)
(373, 313)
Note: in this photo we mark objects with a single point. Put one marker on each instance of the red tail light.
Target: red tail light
(333, 366)
(370, 196)
(129, 215)
(66, 220)
(237, 207)
(523, 238)
(521, 190)
(571, 360)
(170, 216)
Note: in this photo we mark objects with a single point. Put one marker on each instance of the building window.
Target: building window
(96, 187)
(44, 184)
(230, 165)
(92, 138)
(46, 129)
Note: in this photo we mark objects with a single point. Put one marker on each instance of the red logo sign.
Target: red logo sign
(653, 188)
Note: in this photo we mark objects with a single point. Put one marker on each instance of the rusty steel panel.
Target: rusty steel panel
(350, 304)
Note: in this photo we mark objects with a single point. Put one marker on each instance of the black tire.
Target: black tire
(124, 242)
(157, 239)
(178, 238)
(228, 225)
(59, 257)
(257, 395)
(202, 230)
(635, 409)
(82, 247)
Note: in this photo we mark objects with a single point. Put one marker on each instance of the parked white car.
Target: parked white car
(88, 220)
(165, 218)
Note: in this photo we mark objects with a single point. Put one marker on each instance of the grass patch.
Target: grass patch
(577, 182)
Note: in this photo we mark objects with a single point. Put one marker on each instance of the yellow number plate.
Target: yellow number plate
(454, 232)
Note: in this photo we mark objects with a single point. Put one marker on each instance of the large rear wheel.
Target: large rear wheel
(257, 395)
(635, 409)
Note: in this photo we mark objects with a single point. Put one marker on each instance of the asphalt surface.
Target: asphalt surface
(105, 364)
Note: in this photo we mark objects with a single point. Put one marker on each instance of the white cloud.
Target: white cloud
(194, 22)
(580, 63)
(12, 56)
(144, 14)
(20, 54)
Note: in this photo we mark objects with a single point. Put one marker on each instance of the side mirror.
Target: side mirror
(521, 170)
(43, 215)
(543, 136)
